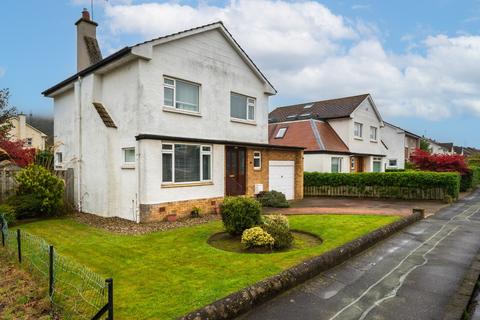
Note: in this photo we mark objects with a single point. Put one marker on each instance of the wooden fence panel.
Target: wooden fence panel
(8, 184)
(376, 192)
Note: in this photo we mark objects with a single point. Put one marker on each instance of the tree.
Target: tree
(424, 145)
(426, 161)
(16, 152)
(6, 112)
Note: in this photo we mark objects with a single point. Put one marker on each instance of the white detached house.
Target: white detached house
(167, 125)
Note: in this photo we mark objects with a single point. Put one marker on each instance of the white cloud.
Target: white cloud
(310, 53)
(2, 71)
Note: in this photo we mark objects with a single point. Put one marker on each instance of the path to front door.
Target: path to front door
(412, 275)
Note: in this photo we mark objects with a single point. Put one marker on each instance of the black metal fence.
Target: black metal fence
(74, 291)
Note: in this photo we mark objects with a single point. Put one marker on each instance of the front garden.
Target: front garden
(164, 275)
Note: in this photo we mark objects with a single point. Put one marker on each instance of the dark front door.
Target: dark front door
(235, 171)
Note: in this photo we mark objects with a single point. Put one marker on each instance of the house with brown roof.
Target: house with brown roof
(339, 135)
(167, 125)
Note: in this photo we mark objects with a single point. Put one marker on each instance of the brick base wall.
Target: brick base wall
(159, 212)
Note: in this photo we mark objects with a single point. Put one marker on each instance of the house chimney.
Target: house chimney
(88, 51)
(22, 124)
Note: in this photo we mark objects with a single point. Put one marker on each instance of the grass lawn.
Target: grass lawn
(164, 275)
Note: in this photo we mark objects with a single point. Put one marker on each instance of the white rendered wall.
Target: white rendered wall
(321, 162)
(394, 139)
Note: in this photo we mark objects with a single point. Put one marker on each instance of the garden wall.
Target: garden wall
(415, 185)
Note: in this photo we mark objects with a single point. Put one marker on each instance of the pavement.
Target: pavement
(412, 275)
(327, 205)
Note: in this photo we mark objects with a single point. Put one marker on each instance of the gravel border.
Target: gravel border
(245, 299)
(123, 226)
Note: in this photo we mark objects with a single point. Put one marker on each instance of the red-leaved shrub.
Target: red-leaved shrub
(439, 162)
(17, 152)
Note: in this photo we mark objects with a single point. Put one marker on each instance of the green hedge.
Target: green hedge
(475, 176)
(419, 180)
(471, 179)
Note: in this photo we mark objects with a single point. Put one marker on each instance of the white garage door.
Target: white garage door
(282, 177)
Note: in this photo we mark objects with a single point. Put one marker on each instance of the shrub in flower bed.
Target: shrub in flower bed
(256, 237)
(273, 199)
(278, 227)
(240, 213)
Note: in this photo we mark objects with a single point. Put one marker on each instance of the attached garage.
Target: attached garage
(282, 177)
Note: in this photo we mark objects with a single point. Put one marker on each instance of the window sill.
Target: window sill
(374, 141)
(188, 113)
(127, 166)
(358, 138)
(250, 122)
(181, 185)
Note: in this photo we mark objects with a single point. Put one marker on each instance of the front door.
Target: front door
(235, 171)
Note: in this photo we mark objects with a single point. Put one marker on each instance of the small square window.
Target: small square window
(280, 133)
(392, 162)
(29, 142)
(129, 155)
(257, 160)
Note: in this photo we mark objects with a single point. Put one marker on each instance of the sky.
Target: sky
(420, 60)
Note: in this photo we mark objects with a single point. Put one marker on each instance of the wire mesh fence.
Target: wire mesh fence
(74, 291)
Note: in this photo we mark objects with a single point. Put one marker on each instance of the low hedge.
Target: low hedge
(448, 181)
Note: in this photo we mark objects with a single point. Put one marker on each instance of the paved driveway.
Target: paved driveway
(328, 205)
(411, 275)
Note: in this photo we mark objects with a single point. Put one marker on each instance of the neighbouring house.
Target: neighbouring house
(399, 144)
(161, 127)
(21, 130)
(339, 135)
(439, 147)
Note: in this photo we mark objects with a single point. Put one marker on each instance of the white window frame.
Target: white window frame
(202, 153)
(377, 159)
(251, 101)
(124, 154)
(257, 155)
(174, 88)
(360, 125)
(339, 164)
(29, 142)
(281, 133)
(393, 166)
(59, 157)
(373, 129)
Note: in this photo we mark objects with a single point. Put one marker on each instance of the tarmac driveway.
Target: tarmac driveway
(411, 275)
(328, 205)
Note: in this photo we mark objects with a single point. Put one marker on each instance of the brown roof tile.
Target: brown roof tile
(102, 112)
(313, 135)
(325, 109)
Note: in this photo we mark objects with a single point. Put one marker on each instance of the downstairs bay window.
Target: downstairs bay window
(186, 163)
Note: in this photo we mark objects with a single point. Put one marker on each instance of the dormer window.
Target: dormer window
(307, 106)
(180, 94)
(280, 133)
(292, 116)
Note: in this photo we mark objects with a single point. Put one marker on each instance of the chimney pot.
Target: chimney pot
(85, 14)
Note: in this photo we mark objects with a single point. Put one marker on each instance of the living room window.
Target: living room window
(185, 163)
(181, 94)
(242, 107)
(336, 165)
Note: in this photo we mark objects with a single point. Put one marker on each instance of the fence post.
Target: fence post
(19, 243)
(50, 272)
(109, 282)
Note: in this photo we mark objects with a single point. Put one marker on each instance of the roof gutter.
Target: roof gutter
(115, 56)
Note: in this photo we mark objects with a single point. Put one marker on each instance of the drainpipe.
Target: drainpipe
(80, 151)
(139, 176)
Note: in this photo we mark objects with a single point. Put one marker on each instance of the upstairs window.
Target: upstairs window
(242, 107)
(180, 94)
(29, 142)
(357, 129)
(280, 133)
(59, 158)
(373, 133)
